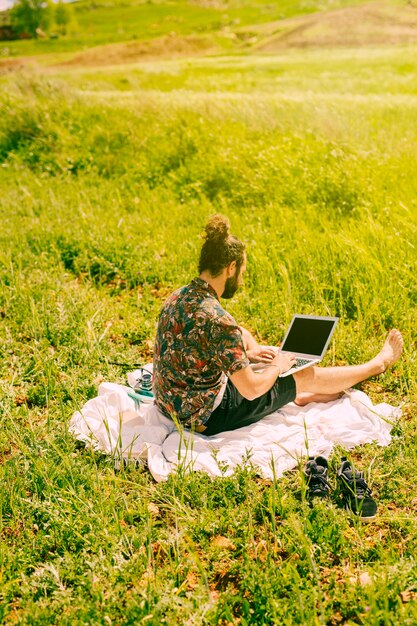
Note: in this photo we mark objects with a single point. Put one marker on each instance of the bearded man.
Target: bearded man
(203, 377)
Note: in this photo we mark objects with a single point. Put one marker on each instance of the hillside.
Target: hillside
(371, 24)
(138, 30)
(368, 25)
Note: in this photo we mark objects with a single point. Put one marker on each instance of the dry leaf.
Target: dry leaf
(153, 509)
(408, 596)
(362, 579)
(147, 577)
(20, 399)
(193, 580)
(223, 542)
(261, 550)
(214, 595)
(336, 618)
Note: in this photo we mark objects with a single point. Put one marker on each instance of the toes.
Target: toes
(395, 338)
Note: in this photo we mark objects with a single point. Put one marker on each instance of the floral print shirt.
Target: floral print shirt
(197, 344)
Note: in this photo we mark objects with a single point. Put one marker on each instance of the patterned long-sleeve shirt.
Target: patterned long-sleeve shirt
(197, 344)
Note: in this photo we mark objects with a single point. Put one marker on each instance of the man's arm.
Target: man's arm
(248, 339)
(251, 385)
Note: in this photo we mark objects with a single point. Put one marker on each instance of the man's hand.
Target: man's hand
(261, 354)
(284, 361)
(266, 354)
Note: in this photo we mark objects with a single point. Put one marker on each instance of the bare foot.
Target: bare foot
(391, 350)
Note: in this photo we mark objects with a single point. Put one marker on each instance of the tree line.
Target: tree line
(33, 18)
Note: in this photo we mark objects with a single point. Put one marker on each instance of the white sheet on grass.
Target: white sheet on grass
(114, 424)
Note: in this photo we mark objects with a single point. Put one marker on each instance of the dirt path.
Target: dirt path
(170, 46)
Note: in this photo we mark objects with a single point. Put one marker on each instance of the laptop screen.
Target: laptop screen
(309, 335)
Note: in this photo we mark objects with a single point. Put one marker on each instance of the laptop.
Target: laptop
(307, 338)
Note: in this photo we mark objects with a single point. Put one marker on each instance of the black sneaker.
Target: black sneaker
(315, 473)
(356, 494)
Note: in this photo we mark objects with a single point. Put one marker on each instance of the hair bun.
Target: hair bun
(217, 228)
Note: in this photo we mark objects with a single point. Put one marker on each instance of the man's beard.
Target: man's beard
(230, 287)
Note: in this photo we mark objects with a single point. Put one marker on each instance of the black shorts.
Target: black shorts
(235, 411)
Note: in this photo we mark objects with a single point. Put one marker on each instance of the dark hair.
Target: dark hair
(220, 248)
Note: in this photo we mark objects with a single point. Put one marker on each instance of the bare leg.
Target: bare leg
(305, 397)
(333, 380)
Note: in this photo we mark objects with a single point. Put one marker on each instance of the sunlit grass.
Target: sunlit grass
(366, 73)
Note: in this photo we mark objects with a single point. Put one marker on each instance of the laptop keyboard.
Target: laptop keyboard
(301, 362)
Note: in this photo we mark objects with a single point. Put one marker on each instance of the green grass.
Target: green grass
(364, 74)
(109, 22)
(106, 187)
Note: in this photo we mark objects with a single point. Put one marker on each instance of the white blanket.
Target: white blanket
(116, 425)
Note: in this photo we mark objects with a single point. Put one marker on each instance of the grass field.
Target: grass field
(107, 177)
(96, 23)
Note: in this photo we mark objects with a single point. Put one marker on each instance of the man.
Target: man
(202, 373)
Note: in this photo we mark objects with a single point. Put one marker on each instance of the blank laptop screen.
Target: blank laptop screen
(308, 336)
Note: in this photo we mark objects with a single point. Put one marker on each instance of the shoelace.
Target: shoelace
(357, 485)
(316, 480)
